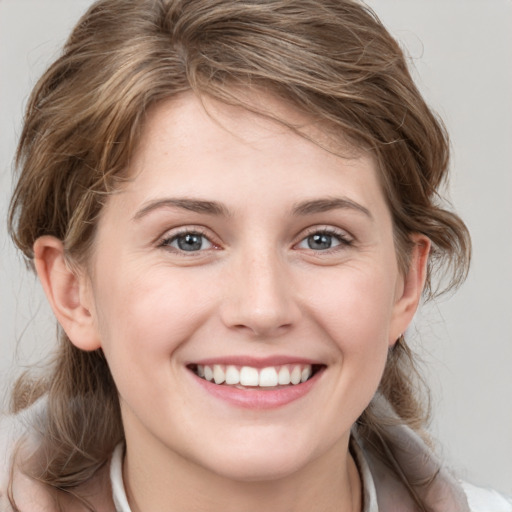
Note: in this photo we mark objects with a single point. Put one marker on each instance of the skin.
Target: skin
(256, 288)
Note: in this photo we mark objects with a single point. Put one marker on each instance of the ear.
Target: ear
(409, 292)
(68, 291)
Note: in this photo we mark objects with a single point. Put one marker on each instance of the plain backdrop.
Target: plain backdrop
(461, 56)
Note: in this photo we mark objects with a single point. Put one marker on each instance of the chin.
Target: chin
(260, 470)
(259, 462)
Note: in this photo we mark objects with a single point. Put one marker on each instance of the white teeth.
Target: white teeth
(249, 376)
(306, 373)
(232, 375)
(208, 373)
(296, 375)
(268, 377)
(284, 376)
(218, 374)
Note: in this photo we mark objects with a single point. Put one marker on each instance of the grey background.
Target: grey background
(461, 55)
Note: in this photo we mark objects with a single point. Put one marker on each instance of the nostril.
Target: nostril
(263, 327)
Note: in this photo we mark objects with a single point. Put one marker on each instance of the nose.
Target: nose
(260, 298)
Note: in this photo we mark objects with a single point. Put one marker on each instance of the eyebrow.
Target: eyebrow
(193, 205)
(214, 208)
(327, 204)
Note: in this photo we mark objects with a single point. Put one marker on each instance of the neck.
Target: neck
(158, 480)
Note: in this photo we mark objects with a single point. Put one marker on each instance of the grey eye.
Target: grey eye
(320, 241)
(190, 242)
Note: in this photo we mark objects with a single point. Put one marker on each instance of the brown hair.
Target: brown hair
(332, 59)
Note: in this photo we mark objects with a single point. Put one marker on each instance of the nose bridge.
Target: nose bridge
(261, 296)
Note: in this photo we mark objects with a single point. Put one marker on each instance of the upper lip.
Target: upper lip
(255, 362)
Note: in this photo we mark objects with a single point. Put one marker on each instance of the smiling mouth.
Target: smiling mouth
(248, 377)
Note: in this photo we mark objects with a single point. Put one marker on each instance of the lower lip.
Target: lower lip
(257, 398)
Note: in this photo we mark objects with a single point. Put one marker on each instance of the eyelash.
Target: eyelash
(342, 237)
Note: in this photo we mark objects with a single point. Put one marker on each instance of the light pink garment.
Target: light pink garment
(383, 492)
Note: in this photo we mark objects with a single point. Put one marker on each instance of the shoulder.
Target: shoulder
(10, 433)
(486, 500)
(29, 494)
(439, 489)
(19, 439)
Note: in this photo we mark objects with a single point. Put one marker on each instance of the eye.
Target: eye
(323, 240)
(189, 241)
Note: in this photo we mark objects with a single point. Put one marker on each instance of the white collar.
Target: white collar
(116, 480)
(121, 501)
(367, 482)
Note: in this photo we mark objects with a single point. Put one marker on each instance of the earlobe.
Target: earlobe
(66, 292)
(414, 281)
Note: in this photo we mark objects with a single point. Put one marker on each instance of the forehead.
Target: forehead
(201, 147)
(224, 129)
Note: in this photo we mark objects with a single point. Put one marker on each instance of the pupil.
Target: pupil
(190, 242)
(320, 241)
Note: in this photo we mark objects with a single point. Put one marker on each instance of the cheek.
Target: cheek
(146, 315)
(354, 305)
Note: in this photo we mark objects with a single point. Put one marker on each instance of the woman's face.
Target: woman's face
(242, 251)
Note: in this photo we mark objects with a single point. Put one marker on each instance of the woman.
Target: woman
(232, 209)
